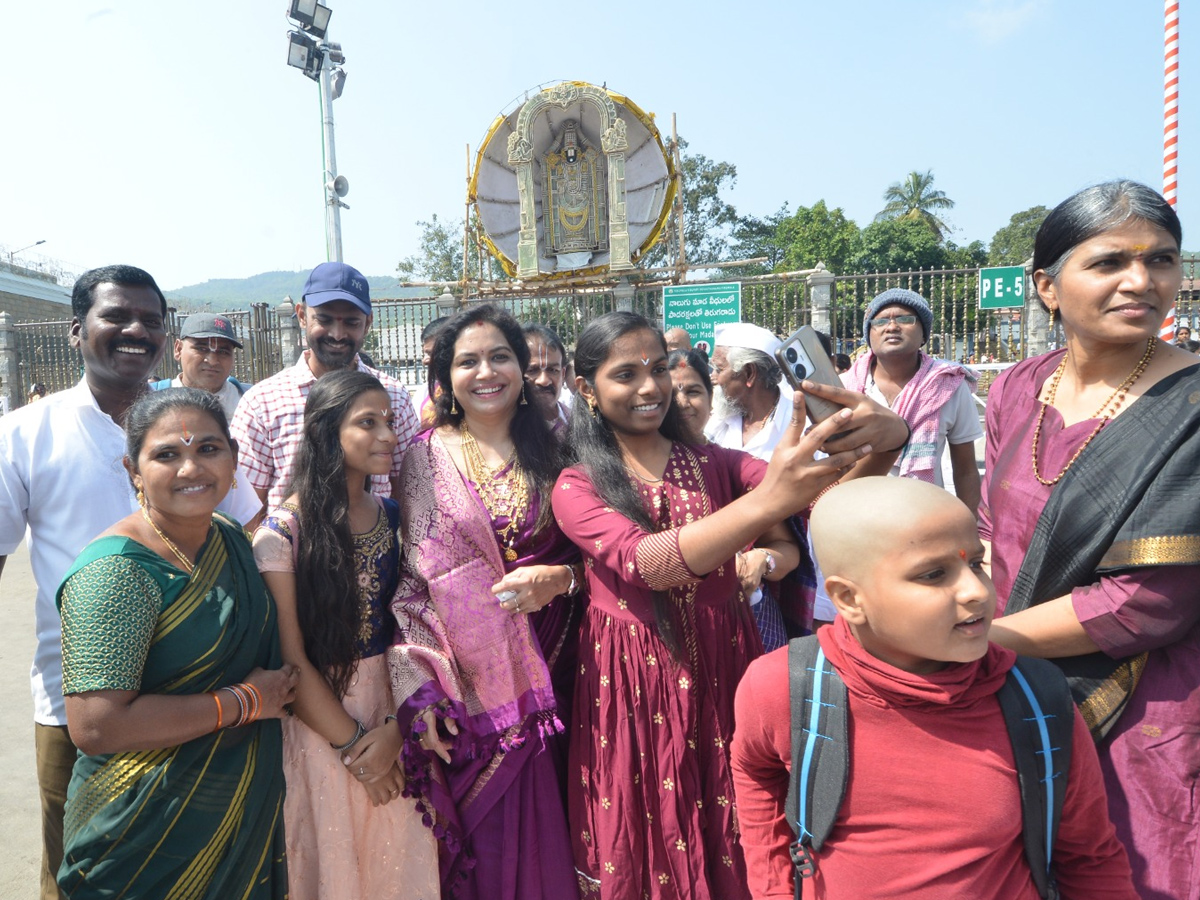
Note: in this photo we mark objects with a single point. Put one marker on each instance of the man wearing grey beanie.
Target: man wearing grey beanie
(933, 396)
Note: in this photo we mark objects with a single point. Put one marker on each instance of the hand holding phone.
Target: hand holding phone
(802, 357)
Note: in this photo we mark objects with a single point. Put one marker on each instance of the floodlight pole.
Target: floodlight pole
(333, 203)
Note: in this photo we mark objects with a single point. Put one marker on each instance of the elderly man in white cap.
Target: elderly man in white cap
(752, 405)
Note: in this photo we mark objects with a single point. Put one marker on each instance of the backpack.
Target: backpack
(1038, 711)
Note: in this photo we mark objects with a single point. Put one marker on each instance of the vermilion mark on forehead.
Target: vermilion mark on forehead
(963, 554)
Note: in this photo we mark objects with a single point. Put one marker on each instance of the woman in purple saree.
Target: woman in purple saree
(487, 618)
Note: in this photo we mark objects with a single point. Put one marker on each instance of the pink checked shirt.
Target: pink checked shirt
(269, 426)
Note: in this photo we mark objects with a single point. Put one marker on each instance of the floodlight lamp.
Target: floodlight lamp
(302, 10)
(320, 23)
(304, 55)
(299, 50)
(310, 15)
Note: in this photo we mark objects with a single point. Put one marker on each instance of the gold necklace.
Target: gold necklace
(503, 497)
(1114, 401)
(187, 564)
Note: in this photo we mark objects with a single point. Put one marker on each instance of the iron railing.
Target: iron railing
(961, 331)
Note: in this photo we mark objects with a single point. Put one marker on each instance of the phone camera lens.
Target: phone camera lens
(790, 353)
(800, 371)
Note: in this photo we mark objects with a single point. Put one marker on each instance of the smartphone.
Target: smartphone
(802, 357)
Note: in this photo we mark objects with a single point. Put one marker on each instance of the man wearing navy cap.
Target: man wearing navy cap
(204, 351)
(335, 313)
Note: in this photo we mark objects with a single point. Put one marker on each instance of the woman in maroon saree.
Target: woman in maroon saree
(488, 616)
(1090, 509)
(667, 635)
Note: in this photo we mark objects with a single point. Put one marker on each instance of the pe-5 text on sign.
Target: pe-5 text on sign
(1002, 287)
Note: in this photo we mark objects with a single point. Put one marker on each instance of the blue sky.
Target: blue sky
(140, 132)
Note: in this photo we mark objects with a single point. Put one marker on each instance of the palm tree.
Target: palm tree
(914, 198)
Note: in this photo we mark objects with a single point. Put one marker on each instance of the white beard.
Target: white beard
(724, 408)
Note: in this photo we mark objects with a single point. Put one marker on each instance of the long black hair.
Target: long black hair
(596, 451)
(538, 451)
(327, 601)
(593, 444)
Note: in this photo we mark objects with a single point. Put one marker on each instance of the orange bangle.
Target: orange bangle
(220, 713)
(257, 705)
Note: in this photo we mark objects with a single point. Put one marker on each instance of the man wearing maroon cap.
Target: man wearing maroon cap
(335, 313)
(204, 351)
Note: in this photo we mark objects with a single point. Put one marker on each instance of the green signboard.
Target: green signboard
(1002, 288)
(699, 308)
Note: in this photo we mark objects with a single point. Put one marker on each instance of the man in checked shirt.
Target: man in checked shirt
(335, 312)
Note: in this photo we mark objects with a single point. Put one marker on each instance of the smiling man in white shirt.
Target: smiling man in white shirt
(61, 477)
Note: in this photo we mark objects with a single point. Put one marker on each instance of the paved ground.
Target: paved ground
(19, 809)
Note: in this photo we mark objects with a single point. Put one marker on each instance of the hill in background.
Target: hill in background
(270, 287)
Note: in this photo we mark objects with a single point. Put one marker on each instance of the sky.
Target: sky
(158, 134)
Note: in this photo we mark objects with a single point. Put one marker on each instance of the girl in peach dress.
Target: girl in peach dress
(330, 556)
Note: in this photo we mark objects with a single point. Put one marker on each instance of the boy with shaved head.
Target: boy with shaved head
(932, 806)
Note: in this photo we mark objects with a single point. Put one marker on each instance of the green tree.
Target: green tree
(1013, 244)
(915, 199)
(816, 234)
(753, 238)
(708, 218)
(440, 255)
(899, 245)
(972, 256)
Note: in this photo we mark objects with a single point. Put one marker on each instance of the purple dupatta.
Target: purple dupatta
(452, 632)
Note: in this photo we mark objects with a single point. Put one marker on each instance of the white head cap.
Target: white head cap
(743, 334)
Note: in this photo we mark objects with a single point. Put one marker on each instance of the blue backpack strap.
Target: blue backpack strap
(1040, 717)
(820, 750)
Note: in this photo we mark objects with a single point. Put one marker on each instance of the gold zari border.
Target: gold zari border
(1167, 550)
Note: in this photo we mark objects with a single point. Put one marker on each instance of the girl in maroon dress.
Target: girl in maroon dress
(667, 635)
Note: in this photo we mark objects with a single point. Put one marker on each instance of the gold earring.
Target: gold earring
(141, 498)
(524, 402)
(233, 487)
(591, 403)
(453, 405)
(1053, 314)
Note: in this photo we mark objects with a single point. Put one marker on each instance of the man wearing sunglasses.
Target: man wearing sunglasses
(932, 395)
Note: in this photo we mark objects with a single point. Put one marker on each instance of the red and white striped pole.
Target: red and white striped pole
(1171, 127)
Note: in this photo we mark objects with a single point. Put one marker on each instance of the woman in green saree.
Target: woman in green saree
(174, 681)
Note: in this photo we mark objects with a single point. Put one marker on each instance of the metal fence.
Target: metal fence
(45, 354)
(961, 331)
